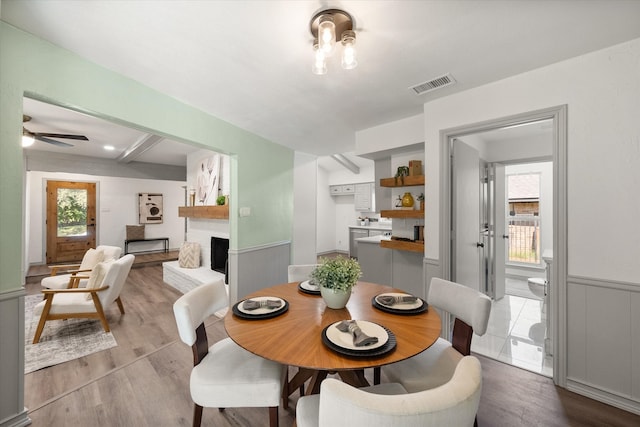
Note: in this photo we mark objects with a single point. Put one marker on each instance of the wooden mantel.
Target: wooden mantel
(205, 212)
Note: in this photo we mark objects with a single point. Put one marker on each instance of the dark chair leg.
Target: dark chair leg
(475, 422)
(197, 416)
(273, 416)
(376, 375)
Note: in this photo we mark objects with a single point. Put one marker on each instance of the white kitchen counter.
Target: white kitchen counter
(372, 227)
(373, 239)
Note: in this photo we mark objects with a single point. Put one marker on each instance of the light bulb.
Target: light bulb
(349, 54)
(319, 61)
(27, 140)
(326, 34)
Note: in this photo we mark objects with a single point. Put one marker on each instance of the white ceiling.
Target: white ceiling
(249, 62)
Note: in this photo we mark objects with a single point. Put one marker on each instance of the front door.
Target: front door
(71, 220)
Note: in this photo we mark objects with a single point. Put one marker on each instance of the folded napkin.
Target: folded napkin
(360, 339)
(254, 305)
(393, 300)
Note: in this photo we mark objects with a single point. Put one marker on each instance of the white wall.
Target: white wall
(305, 201)
(603, 289)
(326, 216)
(117, 206)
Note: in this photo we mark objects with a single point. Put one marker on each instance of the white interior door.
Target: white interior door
(466, 252)
(497, 228)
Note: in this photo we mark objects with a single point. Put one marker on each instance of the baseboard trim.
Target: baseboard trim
(603, 396)
(18, 420)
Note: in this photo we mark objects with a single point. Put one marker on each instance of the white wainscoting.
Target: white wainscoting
(603, 341)
(258, 267)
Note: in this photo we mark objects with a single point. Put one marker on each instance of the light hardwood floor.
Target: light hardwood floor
(144, 381)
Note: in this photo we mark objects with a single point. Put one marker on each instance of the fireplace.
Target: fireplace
(219, 255)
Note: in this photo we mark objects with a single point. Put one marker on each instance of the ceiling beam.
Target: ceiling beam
(346, 163)
(140, 146)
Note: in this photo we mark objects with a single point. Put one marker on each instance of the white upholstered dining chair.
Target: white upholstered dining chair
(436, 365)
(102, 290)
(75, 275)
(300, 272)
(454, 403)
(224, 375)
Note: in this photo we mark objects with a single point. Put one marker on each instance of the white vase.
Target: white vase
(336, 299)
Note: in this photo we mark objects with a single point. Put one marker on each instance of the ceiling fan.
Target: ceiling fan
(46, 137)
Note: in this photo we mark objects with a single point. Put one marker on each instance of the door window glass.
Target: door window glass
(524, 220)
(72, 212)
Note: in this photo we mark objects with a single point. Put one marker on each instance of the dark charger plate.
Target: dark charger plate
(274, 313)
(424, 307)
(389, 346)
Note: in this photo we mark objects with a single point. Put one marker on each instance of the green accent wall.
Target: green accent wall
(261, 171)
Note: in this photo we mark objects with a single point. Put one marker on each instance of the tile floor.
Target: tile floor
(516, 330)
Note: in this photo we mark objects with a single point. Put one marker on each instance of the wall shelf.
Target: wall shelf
(406, 181)
(402, 245)
(401, 213)
(205, 212)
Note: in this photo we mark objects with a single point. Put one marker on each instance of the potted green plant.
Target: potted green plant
(421, 200)
(336, 277)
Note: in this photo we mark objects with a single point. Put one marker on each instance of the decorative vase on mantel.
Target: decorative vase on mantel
(336, 277)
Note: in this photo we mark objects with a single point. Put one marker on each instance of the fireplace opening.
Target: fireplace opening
(219, 256)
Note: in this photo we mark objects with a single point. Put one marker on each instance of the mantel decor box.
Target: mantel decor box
(415, 167)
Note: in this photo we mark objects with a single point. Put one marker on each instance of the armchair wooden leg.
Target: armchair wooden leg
(273, 416)
(101, 316)
(376, 375)
(120, 306)
(197, 416)
(43, 318)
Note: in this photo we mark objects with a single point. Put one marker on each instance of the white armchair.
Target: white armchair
(102, 290)
(455, 403)
(76, 274)
(225, 374)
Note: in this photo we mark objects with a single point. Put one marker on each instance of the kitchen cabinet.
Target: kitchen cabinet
(342, 190)
(355, 233)
(363, 197)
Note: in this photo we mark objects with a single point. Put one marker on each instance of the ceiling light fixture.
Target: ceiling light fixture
(329, 27)
(27, 140)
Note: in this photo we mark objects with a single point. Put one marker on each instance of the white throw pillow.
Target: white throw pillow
(96, 278)
(91, 258)
(189, 256)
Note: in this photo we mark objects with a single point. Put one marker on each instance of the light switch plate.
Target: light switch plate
(245, 211)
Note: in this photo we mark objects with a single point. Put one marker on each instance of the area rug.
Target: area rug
(61, 340)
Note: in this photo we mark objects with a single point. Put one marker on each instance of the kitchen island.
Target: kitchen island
(400, 269)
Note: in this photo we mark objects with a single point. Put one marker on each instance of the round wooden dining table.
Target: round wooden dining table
(294, 338)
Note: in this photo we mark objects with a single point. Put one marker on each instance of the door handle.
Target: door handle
(479, 245)
(505, 236)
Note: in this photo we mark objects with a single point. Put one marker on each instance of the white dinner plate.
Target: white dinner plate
(345, 339)
(309, 287)
(411, 306)
(261, 310)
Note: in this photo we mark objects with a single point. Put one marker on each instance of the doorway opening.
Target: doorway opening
(480, 219)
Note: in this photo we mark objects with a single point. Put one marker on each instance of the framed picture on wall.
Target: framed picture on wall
(150, 208)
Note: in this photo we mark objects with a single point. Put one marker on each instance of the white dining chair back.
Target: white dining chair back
(300, 272)
(454, 403)
(224, 375)
(436, 365)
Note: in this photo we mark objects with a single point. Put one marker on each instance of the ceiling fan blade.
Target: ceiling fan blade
(52, 141)
(61, 135)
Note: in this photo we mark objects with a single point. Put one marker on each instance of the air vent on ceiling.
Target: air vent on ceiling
(433, 84)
